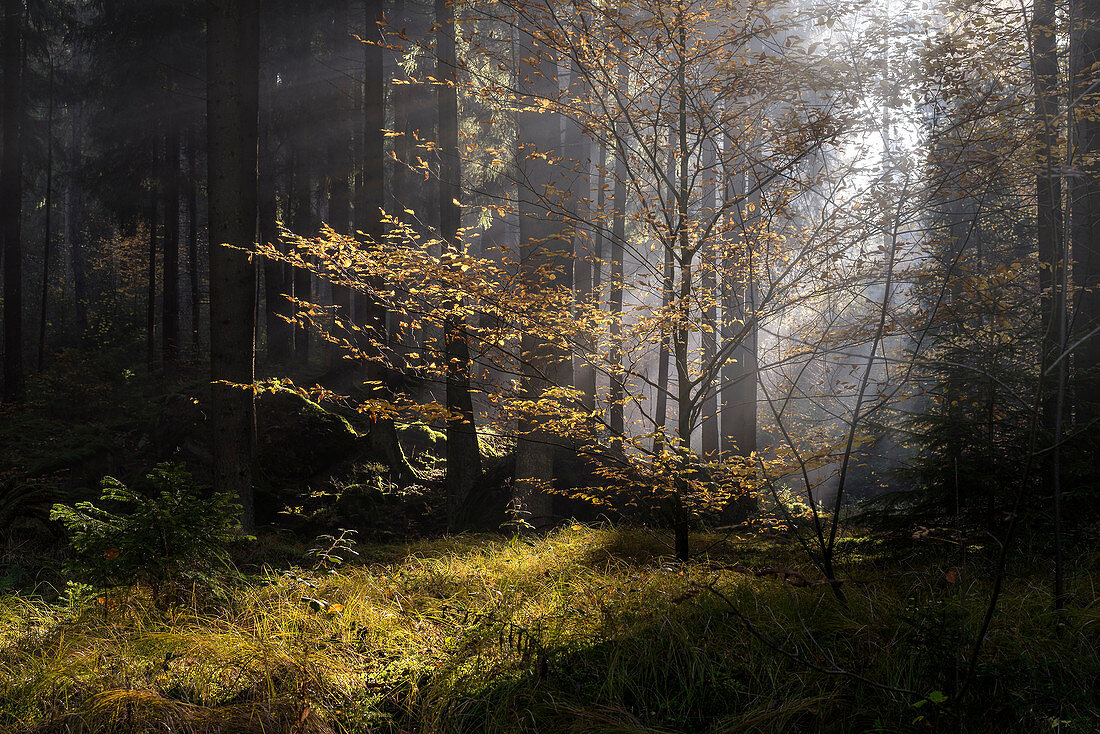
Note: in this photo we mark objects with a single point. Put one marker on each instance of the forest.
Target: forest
(650, 367)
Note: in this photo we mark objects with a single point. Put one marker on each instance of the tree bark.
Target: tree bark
(463, 453)
(232, 133)
(11, 201)
(74, 210)
(47, 237)
(277, 278)
(542, 246)
(1084, 195)
(617, 394)
(170, 336)
(738, 376)
(584, 272)
(340, 152)
(660, 418)
(193, 238)
(1051, 249)
(370, 314)
(709, 283)
(301, 193)
(151, 272)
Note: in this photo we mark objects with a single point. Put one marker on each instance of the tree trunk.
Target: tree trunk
(738, 376)
(301, 193)
(170, 337)
(74, 214)
(47, 238)
(660, 418)
(586, 269)
(232, 108)
(277, 277)
(11, 201)
(463, 453)
(1084, 195)
(193, 237)
(1051, 249)
(368, 313)
(340, 154)
(682, 329)
(617, 395)
(542, 244)
(151, 273)
(709, 283)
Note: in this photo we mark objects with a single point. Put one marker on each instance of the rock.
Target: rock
(297, 438)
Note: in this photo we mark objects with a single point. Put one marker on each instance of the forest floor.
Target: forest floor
(585, 629)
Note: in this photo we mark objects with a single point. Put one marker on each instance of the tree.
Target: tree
(11, 200)
(232, 135)
(463, 452)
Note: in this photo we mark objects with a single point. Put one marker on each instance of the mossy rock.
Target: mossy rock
(299, 439)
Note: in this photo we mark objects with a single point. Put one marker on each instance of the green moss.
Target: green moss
(297, 437)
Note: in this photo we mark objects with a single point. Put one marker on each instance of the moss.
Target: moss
(297, 437)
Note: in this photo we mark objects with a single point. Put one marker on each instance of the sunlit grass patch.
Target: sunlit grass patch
(584, 629)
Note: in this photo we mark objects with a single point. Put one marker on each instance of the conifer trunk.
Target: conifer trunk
(543, 246)
(463, 454)
(232, 108)
(47, 237)
(369, 313)
(193, 269)
(11, 200)
(170, 336)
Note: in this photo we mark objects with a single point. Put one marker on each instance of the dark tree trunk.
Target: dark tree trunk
(193, 238)
(617, 395)
(301, 193)
(463, 454)
(340, 152)
(301, 217)
(542, 246)
(1084, 194)
(682, 330)
(584, 272)
(151, 274)
(277, 283)
(660, 417)
(47, 238)
(368, 313)
(232, 109)
(74, 214)
(738, 412)
(170, 337)
(1051, 248)
(709, 283)
(11, 200)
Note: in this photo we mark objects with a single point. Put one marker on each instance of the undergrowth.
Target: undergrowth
(583, 630)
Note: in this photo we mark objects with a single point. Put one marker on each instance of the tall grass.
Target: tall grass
(583, 630)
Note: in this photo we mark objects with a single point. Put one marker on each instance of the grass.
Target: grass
(582, 630)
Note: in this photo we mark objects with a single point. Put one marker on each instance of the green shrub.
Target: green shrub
(175, 534)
